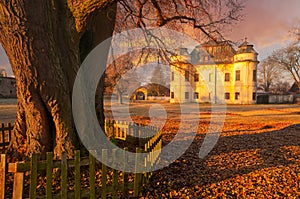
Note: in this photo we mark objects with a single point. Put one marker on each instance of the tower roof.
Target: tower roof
(246, 47)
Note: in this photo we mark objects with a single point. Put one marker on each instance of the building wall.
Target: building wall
(211, 86)
(7, 87)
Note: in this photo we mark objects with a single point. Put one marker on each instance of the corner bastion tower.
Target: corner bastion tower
(214, 73)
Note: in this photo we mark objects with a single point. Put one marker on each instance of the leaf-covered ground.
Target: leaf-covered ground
(256, 156)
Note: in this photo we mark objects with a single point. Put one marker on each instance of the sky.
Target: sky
(266, 24)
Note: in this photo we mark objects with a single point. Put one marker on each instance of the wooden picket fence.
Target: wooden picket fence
(112, 183)
(116, 129)
(122, 129)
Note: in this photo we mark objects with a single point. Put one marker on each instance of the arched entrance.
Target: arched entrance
(140, 94)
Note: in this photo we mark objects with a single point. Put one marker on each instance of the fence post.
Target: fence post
(113, 130)
(126, 129)
(3, 133)
(106, 127)
(92, 175)
(137, 176)
(77, 175)
(2, 175)
(33, 176)
(104, 173)
(125, 175)
(136, 134)
(115, 175)
(64, 176)
(18, 181)
(130, 129)
(49, 162)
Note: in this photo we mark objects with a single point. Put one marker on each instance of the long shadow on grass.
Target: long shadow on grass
(233, 156)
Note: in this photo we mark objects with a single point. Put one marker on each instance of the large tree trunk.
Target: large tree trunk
(43, 46)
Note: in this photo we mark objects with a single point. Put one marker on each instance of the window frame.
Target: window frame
(227, 96)
(196, 77)
(196, 95)
(186, 95)
(238, 75)
(172, 95)
(187, 75)
(227, 77)
(237, 95)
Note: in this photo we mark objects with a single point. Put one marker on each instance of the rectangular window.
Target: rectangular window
(254, 76)
(253, 96)
(237, 75)
(196, 78)
(186, 95)
(196, 95)
(227, 96)
(172, 95)
(186, 76)
(227, 77)
(237, 96)
(172, 76)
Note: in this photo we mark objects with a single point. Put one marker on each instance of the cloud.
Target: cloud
(267, 23)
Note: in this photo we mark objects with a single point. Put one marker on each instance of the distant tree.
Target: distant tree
(126, 84)
(288, 59)
(121, 76)
(269, 73)
(280, 87)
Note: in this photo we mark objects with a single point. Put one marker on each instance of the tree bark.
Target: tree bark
(42, 42)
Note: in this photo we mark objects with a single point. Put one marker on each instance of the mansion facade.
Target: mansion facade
(215, 73)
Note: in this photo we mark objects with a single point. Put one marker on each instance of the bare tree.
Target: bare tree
(288, 59)
(280, 87)
(269, 73)
(121, 77)
(46, 41)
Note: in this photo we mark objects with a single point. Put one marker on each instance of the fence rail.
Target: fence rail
(122, 129)
(70, 167)
(112, 182)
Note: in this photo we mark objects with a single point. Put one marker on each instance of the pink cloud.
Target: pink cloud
(267, 23)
